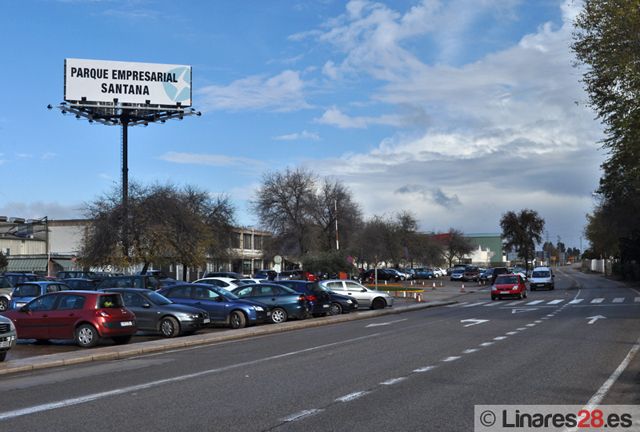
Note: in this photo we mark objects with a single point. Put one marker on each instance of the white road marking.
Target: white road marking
(521, 328)
(595, 318)
(576, 301)
(486, 344)
(424, 369)
(301, 415)
(450, 359)
(636, 300)
(473, 321)
(351, 396)
(499, 338)
(556, 301)
(470, 350)
(457, 304)
(535, 302)
(531, 325)
(515, 303)
(537, 321)
(618, 300)
(124, 390)
(511, 333)
(518, 310)
(491, 304)
(597, 300)
(475, 304)
(385, 323)
(393, 381)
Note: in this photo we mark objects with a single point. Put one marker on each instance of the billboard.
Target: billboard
(135, 83)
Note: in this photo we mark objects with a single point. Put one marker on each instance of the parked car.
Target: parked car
(383, 275)
(8, 336)
(439, 272)
(471, 273)
(295, 275)
(156, 313)
(284, 302)
(423, 273)
(457, 274)
(318, 298)
(265, 274)
(81, 283)
(69, 274)
(130, 281)
(18, 278)
(366, 297)
(509, 285)
(220, 282)
(5, 293)
(25, 292)
(338, 303)
(222, 306)
(542, 277)
(83, 316)
(486, 275)
(231, 275)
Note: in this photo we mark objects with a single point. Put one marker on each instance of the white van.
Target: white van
(542, 277)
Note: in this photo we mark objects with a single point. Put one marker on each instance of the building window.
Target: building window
(257, 242)
(246, 241)
(235, 241)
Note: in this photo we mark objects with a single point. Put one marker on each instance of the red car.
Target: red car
(511, 285)
(85, 316)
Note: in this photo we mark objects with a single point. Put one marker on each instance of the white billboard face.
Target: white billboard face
(136, 83)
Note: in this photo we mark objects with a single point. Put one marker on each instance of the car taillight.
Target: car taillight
(102, 313)
(311, 298)
(301, 298)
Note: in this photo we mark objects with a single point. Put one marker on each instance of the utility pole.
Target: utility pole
(335, 201)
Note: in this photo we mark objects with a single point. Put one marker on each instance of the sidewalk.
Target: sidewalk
(440, 296)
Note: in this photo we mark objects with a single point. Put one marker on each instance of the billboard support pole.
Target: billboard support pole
(125, 183)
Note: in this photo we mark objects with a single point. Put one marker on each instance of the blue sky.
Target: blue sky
(454, 110)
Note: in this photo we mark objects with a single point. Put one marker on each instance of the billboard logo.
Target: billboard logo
(180, 90)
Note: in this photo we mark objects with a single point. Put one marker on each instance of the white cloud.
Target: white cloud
(282, 92)
(40, 209)
(208, 159)
(298, 136)
(334, 117)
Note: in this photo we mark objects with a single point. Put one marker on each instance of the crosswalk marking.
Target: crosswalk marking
(515, 303)
(618, 300)
(475, 304)
(535, 302)
(576, 301)
(457, 304)
(636, 300)
(553, 302)
(491, 304)
(597, 300)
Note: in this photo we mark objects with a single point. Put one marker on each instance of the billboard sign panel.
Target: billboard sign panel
(135, 83)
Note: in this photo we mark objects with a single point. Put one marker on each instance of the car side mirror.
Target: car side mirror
(363, 290)
(25, 309)
(146, 305)
(220, 299)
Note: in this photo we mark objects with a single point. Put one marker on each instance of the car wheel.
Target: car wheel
(87, 336)
(237, 320)
(4, 304)
(3, 355)
(169, 327)
(378, 304)
(278, 315)
(335, 309)
(493, 298)
(524, 294)
(121, 340)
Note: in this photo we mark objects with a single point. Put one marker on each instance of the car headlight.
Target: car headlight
(349, 302)
(515, 287)
(259, 308)
(12, 326)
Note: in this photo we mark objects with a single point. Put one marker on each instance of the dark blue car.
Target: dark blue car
(25, 292)
(223, 306)
(285, 302)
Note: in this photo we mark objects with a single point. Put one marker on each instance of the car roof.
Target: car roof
(220, 278)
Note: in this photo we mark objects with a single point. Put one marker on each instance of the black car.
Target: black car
(131, 281)
(319, 299)
(76, 274)
(383, 275)
(498, 271)
(17, 278)
(265, 274)
(81, 283)
(156, 313)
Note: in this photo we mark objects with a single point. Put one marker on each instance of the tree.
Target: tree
(521, 232)
(376, 241)
(606, 42)
(455, 246)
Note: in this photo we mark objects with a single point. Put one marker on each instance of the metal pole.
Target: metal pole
(125, 184)
(336, 208)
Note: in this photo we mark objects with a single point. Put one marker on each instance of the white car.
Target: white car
(439, 272)
(366, 297)
(222, 282)
(542, 277)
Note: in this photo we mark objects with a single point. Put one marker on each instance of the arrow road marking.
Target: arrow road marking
(516, 310)
(473, 322)
(385, 323)
(595, 318)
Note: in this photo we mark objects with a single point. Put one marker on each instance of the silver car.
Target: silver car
(8, 336)
(367, 297)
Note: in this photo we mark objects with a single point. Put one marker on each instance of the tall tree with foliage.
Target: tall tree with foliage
(606, 43)
(455, 246)
(521, 232)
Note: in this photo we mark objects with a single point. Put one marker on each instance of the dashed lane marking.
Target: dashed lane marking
(424, 369)
(450, 359)
(300, 415)
(597, 300)
(351, 396)
(618, 300)
(393, 381)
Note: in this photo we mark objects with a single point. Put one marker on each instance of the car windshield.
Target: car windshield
(27, 290)
(504, 280)
(224, 292)
(158, 299)
(541, 274)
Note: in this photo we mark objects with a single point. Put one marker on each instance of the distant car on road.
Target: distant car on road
(471, 273)
(8, 336)
(83, 316)
(497, 271)
(366, 297)
(509, 285)
(542, 277)
(156, 313)
(457, 274)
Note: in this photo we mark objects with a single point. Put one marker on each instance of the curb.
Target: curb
(161, 345)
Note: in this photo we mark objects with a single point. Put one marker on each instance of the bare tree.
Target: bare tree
(455, 246)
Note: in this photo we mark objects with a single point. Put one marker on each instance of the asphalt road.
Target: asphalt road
(422, 370)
